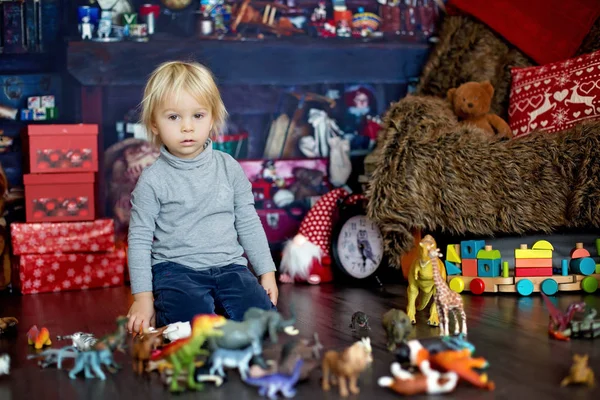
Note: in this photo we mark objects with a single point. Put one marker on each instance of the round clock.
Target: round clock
(357, 243)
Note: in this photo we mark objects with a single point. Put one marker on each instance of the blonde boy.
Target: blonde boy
(193, 215)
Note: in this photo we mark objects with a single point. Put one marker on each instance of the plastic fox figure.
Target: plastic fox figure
(38, 338)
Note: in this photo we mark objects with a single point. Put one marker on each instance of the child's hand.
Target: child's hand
(268, 282)
(141, 314)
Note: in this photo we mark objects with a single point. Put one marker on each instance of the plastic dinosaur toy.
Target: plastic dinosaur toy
(359, 322)
(587, 327)
(558, 327)
(239, 359)
(6, 323)
(420, 281)
(182, 353)
(283, 358)
(270, 385)
(92, 360)
(580, 372)
(427, 382)
(397, 327)
(4, 364)
(251, 331)
(346, 366)
(38, 338)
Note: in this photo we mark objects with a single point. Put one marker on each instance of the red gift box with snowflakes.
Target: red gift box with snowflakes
(65, 237)
(42, 273)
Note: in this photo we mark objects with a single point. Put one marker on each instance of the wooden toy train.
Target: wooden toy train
(479, 269)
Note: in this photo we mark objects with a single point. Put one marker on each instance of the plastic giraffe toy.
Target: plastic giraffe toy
(446, 299)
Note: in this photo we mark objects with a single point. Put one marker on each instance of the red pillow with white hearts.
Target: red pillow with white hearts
(556, 96)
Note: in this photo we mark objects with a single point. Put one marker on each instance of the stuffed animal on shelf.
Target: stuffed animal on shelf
(471, 102)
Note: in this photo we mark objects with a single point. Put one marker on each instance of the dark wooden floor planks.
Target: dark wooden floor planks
(510, 331)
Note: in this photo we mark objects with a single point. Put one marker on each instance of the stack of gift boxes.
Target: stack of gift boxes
(39, 108)
(61, 246)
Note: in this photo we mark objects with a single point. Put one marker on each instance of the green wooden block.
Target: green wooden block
(598, 268)
(488, 254)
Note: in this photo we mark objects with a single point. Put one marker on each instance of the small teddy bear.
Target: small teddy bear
(471, 103)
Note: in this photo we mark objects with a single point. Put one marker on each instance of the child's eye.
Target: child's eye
(199, 116)
(172, 117)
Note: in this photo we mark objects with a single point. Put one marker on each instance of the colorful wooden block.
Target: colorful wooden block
(564, 267)
(488, 268)
(452, 255)
(470, 248)
(579, 251)
(530, 253)
(583, 266)
(533, 272)
(505, 269)
(533, 263)
(487, 253)
(598, 268)
(542, 245)
(451, 269)
(469, 267)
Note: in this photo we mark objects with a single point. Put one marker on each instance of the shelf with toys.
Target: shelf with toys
(476, 267)
(292, 61)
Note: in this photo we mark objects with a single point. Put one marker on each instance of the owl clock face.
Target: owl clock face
(360, 247)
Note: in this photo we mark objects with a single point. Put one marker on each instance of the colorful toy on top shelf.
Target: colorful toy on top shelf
(533, 271)
(420, 279)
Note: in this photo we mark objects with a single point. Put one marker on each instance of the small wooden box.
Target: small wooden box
(59, 197)
(61, 148)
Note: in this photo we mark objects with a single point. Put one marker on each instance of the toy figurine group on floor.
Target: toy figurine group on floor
(188, 354)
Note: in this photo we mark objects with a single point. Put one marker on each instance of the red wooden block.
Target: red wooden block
(533, 263)
(519, 272)
(477, 286)
(469, 267)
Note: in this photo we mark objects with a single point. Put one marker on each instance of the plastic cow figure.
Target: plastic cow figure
(4, 364)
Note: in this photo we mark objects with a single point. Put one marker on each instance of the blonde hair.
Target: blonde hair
(171, 78)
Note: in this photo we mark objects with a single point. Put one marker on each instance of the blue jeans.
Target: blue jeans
(180, 292)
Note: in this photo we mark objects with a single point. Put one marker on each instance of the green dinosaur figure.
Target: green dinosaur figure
(182, 353)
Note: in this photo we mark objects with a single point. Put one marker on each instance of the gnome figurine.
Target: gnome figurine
(306, 257)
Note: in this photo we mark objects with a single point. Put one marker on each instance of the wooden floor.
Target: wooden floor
(509, 331)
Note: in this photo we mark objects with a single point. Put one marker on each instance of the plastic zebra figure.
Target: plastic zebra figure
(81, 341)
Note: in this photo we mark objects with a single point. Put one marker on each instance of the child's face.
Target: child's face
(183, 124)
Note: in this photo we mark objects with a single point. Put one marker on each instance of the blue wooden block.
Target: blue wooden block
(488, 268)
(470, 248)
(452, 269)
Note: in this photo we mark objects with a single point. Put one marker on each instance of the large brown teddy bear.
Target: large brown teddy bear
(471, 103)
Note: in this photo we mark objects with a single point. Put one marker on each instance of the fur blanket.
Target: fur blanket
(435, 175)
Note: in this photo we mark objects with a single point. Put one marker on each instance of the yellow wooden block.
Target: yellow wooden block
(542, 245)
(452, 255)
(530, 253)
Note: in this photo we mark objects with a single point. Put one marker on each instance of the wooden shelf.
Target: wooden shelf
(283, 61)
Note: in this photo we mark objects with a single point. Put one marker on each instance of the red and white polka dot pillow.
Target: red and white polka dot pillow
(556, 96)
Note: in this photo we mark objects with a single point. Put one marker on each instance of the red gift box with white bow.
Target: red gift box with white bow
(52, 257)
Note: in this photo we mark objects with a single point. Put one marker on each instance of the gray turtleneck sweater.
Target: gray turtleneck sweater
(198, 213)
